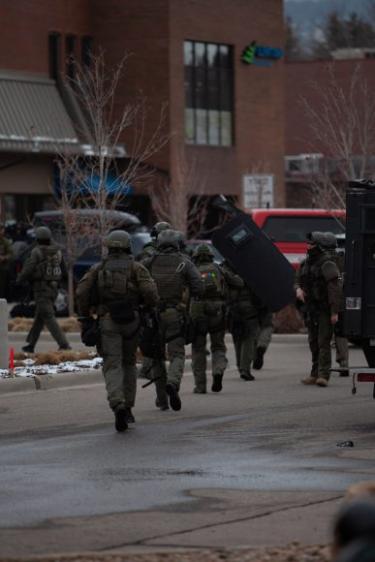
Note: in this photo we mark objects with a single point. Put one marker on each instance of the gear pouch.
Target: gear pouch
(121, 312)
(172, 324)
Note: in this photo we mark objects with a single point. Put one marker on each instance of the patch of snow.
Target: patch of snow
(29, 369)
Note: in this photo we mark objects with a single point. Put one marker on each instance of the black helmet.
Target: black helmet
(203, 250)
(158, 228)
(325, 240)
(168, 237)
(43, 233)
(118, 239)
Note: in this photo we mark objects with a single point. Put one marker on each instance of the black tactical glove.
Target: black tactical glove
(90, 333)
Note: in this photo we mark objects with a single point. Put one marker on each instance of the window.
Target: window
(303, 163)
(295, 229)
(86, 50)
(208, 93)
(54, 55)
(70, 45)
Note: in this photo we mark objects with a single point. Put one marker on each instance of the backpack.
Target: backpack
(113, 287)
(113, 279)
(212, 280)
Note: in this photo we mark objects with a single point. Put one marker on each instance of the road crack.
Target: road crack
(147, 542)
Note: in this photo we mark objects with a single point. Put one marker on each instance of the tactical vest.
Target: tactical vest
(213, 281)
(166, 270)
(49, 264)
(312, 279)
(113, 279)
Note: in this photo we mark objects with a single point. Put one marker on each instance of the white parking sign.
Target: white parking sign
(258, 191)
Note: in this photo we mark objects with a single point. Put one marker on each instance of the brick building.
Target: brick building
(227, 116)
(309, 157)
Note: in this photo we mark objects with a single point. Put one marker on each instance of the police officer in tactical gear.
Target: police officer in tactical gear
(149, 249)
(115, 289)
(243, 324)
(264, 337)
(172, 272)
(319, 287)
(44, 270)
(208, 316)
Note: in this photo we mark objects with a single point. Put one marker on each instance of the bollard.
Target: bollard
(11, 361)
(4, 351)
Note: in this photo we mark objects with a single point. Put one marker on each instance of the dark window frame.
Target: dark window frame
(86, 50)
(70, 55)
(222, 71)
(54, 54)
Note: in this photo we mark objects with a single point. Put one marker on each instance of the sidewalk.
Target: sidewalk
(84, 377)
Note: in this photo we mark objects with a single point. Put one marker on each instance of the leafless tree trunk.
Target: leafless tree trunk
(182, 204)
(92, 178)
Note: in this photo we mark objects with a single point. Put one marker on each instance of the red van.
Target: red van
(288, 227)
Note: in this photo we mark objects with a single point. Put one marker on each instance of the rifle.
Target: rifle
(151, 344)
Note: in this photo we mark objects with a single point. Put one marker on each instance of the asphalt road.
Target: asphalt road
(257, 464)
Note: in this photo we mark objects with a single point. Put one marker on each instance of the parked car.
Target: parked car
(116, 219)
(90, 218)
(288, 227)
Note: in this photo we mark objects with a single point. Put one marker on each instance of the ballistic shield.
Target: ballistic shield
(254, 257)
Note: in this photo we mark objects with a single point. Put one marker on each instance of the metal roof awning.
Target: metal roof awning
(33, 117)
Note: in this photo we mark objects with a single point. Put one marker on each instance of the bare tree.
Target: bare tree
(93, 178)
(342, 124)
(183, 203)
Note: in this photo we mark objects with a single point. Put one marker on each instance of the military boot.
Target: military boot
(121, 423)
(259, 355)
(321, 381)
(161, 405)
(200, 390)
(129, 416)
(247, 376)
(217, 383)
(309, 380)
(174, 399)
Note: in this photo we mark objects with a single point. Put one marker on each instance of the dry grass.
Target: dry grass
(57, 357)
(288, 321)
(52, 357)
(20, 324)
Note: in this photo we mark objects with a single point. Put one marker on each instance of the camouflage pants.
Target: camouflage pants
(244, 345)
(171, 325)
(45, 316)
(342, 351)
(199, 357)
(118, 348)
(320, 331)
(265, 330)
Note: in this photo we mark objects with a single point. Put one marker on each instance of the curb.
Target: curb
(82, 378)
(50, 382)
